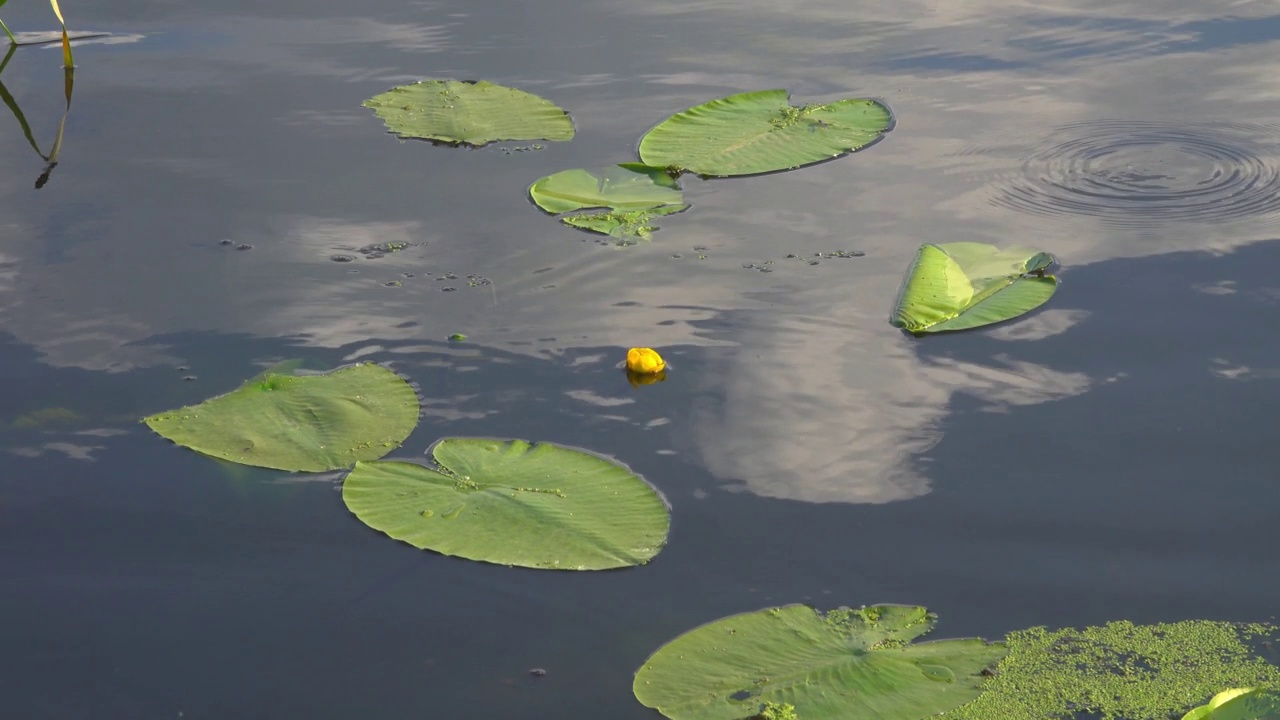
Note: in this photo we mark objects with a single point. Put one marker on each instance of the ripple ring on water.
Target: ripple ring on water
(1144, 173)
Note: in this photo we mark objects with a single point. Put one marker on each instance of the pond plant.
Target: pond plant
(67, 60)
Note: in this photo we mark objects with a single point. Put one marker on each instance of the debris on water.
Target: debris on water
(538, 672)
(342, 258)
(448, 289)
(189, 378)
(225, 242)
(393, 283)
(457, 337)
(244, 246)
(377, 250)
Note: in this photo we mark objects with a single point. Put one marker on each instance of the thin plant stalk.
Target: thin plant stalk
(12, 41)
(67, 61)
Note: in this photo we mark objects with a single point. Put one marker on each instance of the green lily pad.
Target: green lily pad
(470, 113)
(761, 131)
(513, 502)
(962, 285)
(310, 423)
(1239, 704)
(628, 197)
(1121, 671)
(844, 664)
(626, 186)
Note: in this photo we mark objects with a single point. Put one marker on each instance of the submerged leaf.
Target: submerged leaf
(312, 423)
(627, 226)
(512, 502)
(471, 113)
(844, 664)
(957, 286)
(758, 132)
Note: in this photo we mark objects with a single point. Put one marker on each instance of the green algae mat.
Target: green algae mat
(514, 502)
(1122, 671)
(309, 423)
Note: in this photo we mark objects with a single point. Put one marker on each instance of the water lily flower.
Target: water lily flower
(645, 361)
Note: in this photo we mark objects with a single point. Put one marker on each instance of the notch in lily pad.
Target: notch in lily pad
(758, 132)
(455, 112)
(514, 502)
(306, 423)
(963, 285)
(846, 663)
(621, 201)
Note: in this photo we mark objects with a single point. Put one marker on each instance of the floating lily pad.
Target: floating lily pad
(1121, 671)
(628, 197)
(470, 113)
(962, 285)
(844, 664)
(761, 131)
(1239, 704)
(310, 423)
(513, 502)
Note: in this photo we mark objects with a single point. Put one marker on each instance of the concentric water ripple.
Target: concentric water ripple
(1144, 173)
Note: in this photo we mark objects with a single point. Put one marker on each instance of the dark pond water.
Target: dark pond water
(1111, 456)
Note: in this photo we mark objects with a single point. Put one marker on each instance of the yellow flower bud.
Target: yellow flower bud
(644, 361)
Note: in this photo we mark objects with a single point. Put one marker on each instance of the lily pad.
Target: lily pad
(761, 131)
(628, 197)
(1121, 671)
(469, 113)
(513, 502)
(1239, 704)
(844, 664)
(962, 285)
(310, 423)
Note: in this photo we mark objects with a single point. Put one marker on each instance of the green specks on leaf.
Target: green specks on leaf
(777, 711)
(1121, 671)
(625, 226)
(470, 113)
(312, 423)
(962, 285)
(512, 502)
(848, 663)
(758, 132)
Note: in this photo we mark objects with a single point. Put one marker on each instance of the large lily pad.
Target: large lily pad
(962, 285)
(844, 664)
(470, 113)
(512, 502)
(310, 423)
(1239, 704)
(627, 198)
(758, 132)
